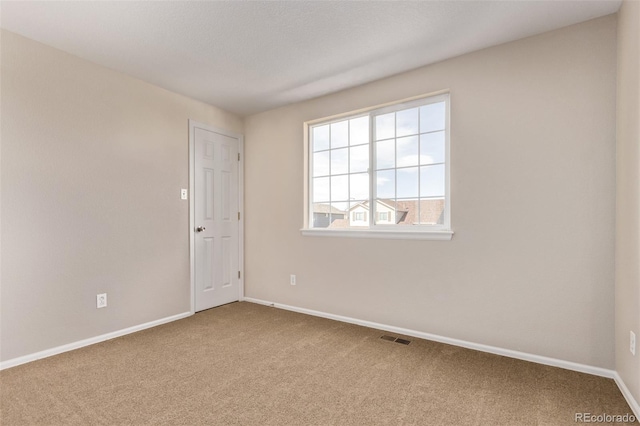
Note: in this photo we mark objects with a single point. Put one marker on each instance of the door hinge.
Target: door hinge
(238, 156)
(238, 215)
(238, 274)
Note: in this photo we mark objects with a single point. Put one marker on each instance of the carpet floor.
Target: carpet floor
(247, 364)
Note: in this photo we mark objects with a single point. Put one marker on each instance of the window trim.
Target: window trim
(445, 235)
(431, 232)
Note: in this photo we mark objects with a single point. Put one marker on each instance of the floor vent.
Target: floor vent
(395, 339)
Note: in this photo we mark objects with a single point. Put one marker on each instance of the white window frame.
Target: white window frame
(427, 232)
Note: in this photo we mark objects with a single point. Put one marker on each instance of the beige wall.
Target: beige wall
(531, 265)
(92, 163)
(92, 166)
(628, 196)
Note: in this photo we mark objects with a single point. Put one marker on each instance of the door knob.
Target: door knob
(200, 228)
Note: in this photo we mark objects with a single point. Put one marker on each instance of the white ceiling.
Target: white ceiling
(248, 57)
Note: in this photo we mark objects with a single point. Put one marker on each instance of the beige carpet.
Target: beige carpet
(246, 364)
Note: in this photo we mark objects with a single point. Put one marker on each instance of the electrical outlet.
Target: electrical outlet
(632, 342)
(101, 300)
(293, 280)
(183, 194)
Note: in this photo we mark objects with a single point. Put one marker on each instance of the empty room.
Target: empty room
(319, 212)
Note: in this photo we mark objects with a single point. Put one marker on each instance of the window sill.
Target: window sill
(383, 234)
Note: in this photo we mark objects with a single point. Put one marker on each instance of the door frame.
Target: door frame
(192, 161)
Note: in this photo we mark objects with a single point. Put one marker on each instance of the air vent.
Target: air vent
(395, 339)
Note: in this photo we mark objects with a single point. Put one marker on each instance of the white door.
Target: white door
(216, 219)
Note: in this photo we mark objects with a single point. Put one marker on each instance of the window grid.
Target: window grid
(372, 171)
(348, 202)
(418, 166)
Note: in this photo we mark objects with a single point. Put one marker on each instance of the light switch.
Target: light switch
(183, 194)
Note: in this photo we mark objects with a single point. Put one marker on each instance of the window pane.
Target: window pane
(432, 117)
(385, 126)
(320, 138)
(432, 148)
(406, 212)
(327, 215)
(359, 186)
(339, 208)
(359, 159)
(359, 214)
(432, 181)
(339, 161)
(320, 189)
(432, 211)
(385, 212)
(321, 164)
(385, 154)
(359, 131)
(386, 184)
(408, 183)
(339, 134)
(321, 215)
(407, 151)
(407, 122)
(338, 215)
(339, 188)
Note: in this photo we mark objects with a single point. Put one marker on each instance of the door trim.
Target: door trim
(192, 161)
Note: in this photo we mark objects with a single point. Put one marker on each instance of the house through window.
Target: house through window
(387, 168)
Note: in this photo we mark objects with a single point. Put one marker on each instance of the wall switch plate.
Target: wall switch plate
(183, 194)
(101, 300)
(632, 342)
(292, 279)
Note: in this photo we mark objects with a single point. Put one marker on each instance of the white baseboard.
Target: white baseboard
(90, 341)
(568, 365)
(627, 395)
(554, 362)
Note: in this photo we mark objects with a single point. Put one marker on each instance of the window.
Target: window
(386, 169)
